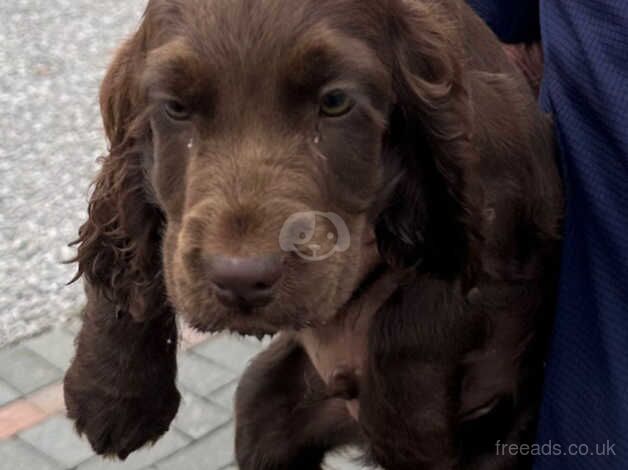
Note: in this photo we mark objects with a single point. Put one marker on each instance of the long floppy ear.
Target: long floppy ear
(427, 221)
(120, 388)
(119, 251)
(416, 336)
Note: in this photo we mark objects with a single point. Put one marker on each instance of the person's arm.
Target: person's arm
(516, 23)
(513, 21)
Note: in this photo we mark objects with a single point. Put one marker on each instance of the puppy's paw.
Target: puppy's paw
(116, 425)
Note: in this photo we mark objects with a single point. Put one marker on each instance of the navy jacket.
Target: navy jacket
(586, 88)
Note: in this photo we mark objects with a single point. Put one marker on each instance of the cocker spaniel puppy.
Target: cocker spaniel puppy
(372, 181)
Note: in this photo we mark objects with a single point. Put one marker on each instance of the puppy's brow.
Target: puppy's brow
(323, 54)
(174, 65)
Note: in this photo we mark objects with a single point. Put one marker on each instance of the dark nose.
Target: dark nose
(245, 282)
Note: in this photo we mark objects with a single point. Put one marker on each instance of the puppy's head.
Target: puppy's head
(266, 155)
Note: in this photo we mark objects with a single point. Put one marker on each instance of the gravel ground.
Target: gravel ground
(53, 54)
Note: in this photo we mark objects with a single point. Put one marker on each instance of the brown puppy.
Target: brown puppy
(372, 179)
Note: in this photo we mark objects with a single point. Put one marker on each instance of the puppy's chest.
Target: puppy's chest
(338, 349)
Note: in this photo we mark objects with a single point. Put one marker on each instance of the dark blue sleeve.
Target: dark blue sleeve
(513, 21)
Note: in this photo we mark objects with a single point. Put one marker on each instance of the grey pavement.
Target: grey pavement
(201, 436)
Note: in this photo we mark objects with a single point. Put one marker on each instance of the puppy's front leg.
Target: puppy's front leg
(284, 418)
(120, 389)
(408, 401)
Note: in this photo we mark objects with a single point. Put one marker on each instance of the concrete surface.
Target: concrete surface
(53, 55)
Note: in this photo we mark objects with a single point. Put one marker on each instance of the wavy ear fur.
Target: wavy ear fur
(120, 388)
(417, 337)
(119, 245)
(427, 221)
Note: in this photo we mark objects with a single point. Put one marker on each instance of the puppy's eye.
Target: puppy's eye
(176, 110)
(336, 103)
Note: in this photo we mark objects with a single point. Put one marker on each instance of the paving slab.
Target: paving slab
(48, 399)
(197, 416)
(214, 451)
(18, 455)
(26, 370)
(230, 351)
(18, 416)
(56, 438)
(7, 393)
(202, 376)
(225, 396)
(145, 457)
(56, 347)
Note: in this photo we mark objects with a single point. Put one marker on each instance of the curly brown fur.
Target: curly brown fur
(298, 413)
(423, 340)
(120, 389)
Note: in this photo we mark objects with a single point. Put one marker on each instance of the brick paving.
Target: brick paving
(36, 435)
